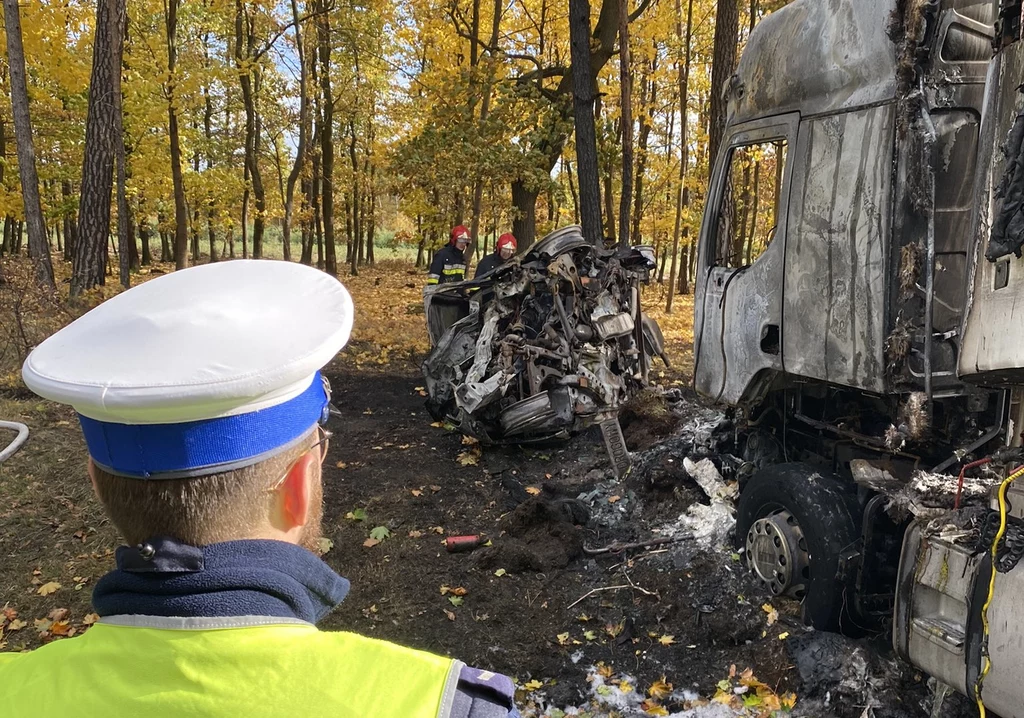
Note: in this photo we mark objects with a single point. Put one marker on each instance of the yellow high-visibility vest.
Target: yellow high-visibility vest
(245, 667)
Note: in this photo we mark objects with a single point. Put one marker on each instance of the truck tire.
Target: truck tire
(794, 522)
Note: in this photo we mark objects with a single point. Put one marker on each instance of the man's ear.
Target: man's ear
(296, 492)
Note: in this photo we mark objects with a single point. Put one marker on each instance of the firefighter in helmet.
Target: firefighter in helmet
(449, 263)
(505, 250)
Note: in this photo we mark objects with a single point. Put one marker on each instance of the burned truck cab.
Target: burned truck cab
(834, 260)
(860, 277)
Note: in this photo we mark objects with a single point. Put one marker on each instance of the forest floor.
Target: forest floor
(677, 629)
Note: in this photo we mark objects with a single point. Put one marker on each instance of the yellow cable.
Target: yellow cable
(987, 665)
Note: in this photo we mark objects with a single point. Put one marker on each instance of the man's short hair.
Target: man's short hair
(198, 511)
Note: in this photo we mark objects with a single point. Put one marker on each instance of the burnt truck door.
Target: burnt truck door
(738, 302)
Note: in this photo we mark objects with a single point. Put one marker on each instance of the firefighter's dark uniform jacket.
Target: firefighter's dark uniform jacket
(449, 265)
(488, 264)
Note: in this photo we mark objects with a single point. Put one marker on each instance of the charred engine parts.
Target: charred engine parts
(549, 343)
(1011, 546)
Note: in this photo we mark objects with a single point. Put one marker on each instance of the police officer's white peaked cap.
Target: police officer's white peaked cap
(229, 339)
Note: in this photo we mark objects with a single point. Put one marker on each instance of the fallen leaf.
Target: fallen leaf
(47, 588)
(16, 625)
(459, 591)
(419, 388)
(58, 614)
(614, 499)
(445, 590)
(590, 635)
(416, 492)
(380, 533)
(660, 688)
(450, 614)
(773, 614)
(325, 545)
(533, 685)
(563, 638)
(437, 529)
(532, 490)
(667, 640)
(370, 542)
(469, 441)
(341, 465)
(625, 687)
(43, 625)
(500, 572)
(438, 424)
(60, 628)
(784, 635)
(603, 670)
(469, 458)
(378, 448)
(614, 630)
(357, 515)
(455, 600)
(435, 488)
(90, 618)
(652, 708)
(415, 534)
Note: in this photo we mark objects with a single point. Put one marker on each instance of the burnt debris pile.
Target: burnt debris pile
(545, 345)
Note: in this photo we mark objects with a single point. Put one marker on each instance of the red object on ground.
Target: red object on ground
(462, 544)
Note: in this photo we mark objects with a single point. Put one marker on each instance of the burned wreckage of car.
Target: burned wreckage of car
(543, 346)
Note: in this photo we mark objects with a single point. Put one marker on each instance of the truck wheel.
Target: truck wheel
(794, 523)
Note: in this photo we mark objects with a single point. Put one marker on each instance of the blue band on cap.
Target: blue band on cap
(169, 450)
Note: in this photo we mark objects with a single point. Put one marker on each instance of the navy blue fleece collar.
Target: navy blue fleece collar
(164, 577)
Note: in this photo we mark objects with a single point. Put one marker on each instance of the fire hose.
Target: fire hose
(18, 441)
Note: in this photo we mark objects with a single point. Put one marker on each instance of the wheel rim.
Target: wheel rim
(777, 553)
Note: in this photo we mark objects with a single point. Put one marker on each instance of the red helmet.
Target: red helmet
(459, 231)
(507, 240)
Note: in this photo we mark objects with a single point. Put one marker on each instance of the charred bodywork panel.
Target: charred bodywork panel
(993, 352)
(550, 342)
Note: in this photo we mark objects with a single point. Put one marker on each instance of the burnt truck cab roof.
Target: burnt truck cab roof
(815, 57)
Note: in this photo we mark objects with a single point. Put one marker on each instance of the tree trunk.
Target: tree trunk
(648, 96)
(177, 180)
(357, 229)
(586, 138)
(90, 255)
(626, 109)
(249, 79)
(371, 231)
(752, 233)
(722, 67)
(144, 235)
(317, 214)
(70, 220)
(327, 139)
(485, 106)
(682, 197)
(572, 191)
(38, 246)
(300, 150)
(524, 199)
(125, 237)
